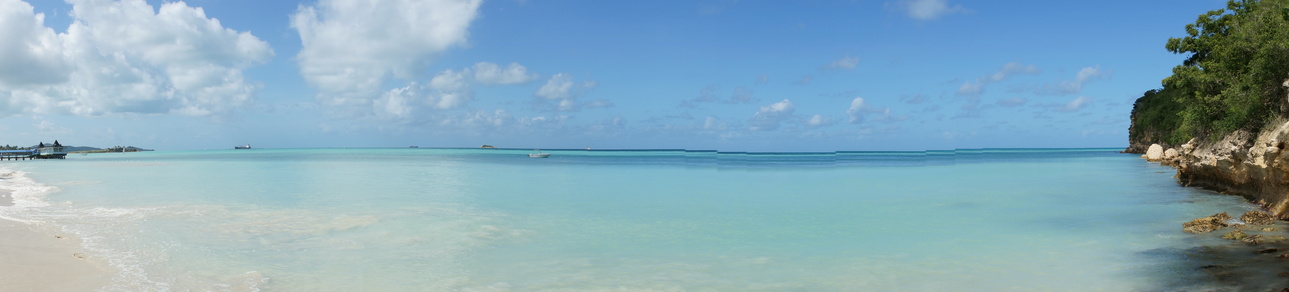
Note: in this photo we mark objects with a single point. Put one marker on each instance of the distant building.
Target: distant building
(55, 151)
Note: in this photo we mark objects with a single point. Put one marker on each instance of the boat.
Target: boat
(413, 146)
(247, 146)
(539, 154)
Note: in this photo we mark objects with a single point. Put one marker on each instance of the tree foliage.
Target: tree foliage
(1232, 79)
(1155, 118)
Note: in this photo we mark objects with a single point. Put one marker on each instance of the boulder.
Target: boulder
(1256, 217)
(1155, 152)
(1170, 154)
(1235, 235)
(1206, 224)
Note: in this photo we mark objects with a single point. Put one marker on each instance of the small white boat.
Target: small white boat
(539, 154)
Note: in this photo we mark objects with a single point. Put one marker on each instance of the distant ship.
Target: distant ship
(247, 146)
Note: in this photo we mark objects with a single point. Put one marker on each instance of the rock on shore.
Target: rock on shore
(1242, 164)
(1155, 152)
(1206, 224)
(1257, 218)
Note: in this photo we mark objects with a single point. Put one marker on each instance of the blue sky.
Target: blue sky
(722, 75)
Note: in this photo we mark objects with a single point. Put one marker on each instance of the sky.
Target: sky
(727, 75)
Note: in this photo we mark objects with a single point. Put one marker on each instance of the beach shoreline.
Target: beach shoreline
(35, 257)
(32, 259)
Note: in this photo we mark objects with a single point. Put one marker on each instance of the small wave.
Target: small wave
(25, 192)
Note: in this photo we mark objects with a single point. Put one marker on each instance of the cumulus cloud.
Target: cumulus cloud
(1085, 75)
(449, 89)
(1074, 105)
(977, 87)
(562, 91)
(493, 74)
(350, 48)
(559, 86)
(124, 57)
(32, 54)
(845, 63)
(929, 9)
(860, 110)
(818, 121)
(769, 117)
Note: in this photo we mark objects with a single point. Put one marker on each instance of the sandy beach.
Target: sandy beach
(33, 259)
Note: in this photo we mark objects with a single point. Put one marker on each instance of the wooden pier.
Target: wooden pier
(31, 154)
(17, 154)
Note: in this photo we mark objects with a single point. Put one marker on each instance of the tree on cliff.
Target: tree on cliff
(1233, 78)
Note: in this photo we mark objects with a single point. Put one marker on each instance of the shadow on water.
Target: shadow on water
(1224, 265)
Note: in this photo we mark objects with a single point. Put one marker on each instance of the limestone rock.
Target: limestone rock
(1206, 224)
(1235, 235)
(1256, 217)
(1170, 154)
(1155, 152)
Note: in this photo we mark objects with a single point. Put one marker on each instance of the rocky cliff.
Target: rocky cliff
(1242, 163)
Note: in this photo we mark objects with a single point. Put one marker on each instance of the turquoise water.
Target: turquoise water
(496, 220)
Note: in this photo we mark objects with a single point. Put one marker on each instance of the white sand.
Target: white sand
(32, 259)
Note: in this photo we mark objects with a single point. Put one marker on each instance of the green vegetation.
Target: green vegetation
(114, 149)
(1155, 117)
(1232, 80)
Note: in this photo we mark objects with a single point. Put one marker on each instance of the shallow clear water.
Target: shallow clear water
(496, 220)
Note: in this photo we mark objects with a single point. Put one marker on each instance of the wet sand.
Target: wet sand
(32, 259)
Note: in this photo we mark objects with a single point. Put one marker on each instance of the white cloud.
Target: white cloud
(394, 103)
(31, 54)
(124, 57)
(563, 92)
(977, 87)
(351, 47)
(860, 110)
(1085, 75)
(846, 62)
(769, 117)
(818, 121)
(492, 74)
(480, 120)
(857, 110)
(971, 89)
(451, 90)
(559, 86)
(762, 79)
(929, 9)
(1074, 105)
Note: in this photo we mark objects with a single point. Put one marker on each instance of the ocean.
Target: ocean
(659, 220)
